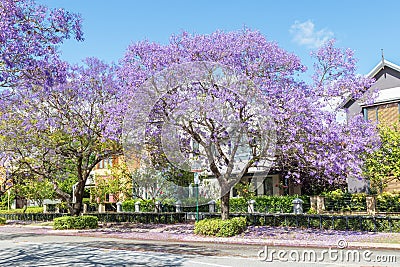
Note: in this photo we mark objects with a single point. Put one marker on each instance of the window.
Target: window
(268, 186)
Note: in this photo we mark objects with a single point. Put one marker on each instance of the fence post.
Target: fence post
(178, 206)
(211, 206)
(297, 206)
(119, 207)
(320, 204)
(85, 208)
(45, 208)
(158, 206)
(102, 208)
(313, 202)
(137, 206)
(250, 206)
(371, 205)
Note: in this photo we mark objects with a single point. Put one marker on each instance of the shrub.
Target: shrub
(272, 204)
(218, 227)
(28, 210)
(2, 220)
(75, 222)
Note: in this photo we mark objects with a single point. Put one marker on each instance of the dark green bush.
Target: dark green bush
(2, 220)
(75, 222)
(218, 227)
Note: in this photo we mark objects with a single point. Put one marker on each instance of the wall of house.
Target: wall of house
(386, 78)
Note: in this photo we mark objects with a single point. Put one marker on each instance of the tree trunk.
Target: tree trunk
(225, 206)
(75, 209)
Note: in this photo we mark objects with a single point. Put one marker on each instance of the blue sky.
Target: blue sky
(297, 26)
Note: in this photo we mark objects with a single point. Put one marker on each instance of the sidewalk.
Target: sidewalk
(262, 235)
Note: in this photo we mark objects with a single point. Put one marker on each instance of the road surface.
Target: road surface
(19, 248)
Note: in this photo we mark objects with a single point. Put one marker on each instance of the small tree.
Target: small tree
(60, 133)
(383, 165)
(118, 184)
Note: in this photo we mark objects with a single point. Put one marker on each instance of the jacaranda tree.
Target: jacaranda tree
(61, 131)
(310, 143)
(29, 38)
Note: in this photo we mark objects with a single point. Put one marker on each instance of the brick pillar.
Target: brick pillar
(320, 204)
(313, 202)
(102, 208)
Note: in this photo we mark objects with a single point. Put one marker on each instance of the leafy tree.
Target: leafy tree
(29, 37)
(311, 143)
(60, 133)
(383, 165)
(35, 190)
(118, 184)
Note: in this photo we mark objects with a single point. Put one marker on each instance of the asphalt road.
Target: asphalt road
(19, 248)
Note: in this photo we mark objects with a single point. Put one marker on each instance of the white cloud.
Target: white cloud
(304, 33)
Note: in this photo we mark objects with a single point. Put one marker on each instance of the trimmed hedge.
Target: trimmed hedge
(75, 222)
(339, 200)
(2, 220)
(28, 210)
(388, 202)
(221, 228)
(271, 204)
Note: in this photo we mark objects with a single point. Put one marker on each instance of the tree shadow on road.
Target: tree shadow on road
(85, 254)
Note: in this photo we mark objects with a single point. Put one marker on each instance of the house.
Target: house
(385, 108)
(102, 174)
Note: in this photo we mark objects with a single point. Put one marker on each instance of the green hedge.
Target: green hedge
(339, 200)
(75, 222)
(271, 204)
(28, 210)
(148, 205)
(336, 222)
(388, 202)
(221, 228)
(2, 220)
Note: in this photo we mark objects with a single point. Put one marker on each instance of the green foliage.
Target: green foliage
(384, 164)
(222, 228)
(271, 204)
(339, 200)
(2, 220)
(34, 189)
(148, 205)
(388, 202)
(4, 200)
(245, 190)
(75, 222)
(28, 210)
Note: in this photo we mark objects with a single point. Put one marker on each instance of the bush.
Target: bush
(148, 205)
(271, 204)
(339, 200)
(388, 202)
(2, 220)
(28, 210)
(222, 228)
(75, 222)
